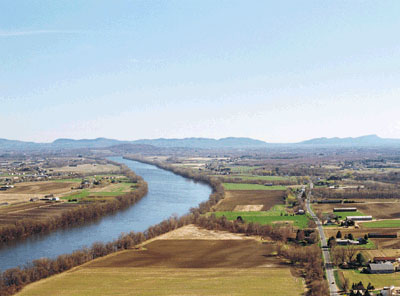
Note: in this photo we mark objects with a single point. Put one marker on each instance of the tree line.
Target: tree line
(354, 193)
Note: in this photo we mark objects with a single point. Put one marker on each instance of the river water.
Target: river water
(168, 194)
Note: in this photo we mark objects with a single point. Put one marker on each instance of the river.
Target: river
(168, 194)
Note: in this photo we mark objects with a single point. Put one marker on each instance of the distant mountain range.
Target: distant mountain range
(201, 143)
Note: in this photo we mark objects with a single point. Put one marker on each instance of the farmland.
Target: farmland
(379, 209)
(88, 169)
(241, 186)
(68, 190)
(169, 281)
(382, 224)
(276, 215)
(266, 198)
(377, 280)
(22, 192)
(179, 265)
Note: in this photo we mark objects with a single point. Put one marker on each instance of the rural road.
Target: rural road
(333, 289)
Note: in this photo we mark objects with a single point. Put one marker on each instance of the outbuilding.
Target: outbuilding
(345, 209)
(359, 218)
(386, 267)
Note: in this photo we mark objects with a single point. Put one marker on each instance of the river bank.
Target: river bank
(178, 204)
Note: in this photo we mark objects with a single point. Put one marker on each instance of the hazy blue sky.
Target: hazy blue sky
(280, 71)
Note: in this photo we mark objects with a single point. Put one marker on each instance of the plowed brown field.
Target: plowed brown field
(267, 198)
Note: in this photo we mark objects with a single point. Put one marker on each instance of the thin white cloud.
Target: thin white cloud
(36, 32)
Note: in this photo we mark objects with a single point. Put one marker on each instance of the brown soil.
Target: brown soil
(378, 209)
(36, 210)
(194, 254)
(267, 198)
(381, 210)
(46, 187)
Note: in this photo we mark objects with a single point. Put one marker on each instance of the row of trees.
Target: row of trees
(77, 215)
(354, 193)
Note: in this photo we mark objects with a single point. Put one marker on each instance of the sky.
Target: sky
(278, 71)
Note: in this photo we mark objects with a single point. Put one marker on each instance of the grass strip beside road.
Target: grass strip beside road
(381, 224)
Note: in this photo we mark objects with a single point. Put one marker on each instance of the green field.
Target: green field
(382, 224)
(377, 280)
(272, 216)
(264, 178)
(169, 281)
(343, 215)
(239, 186)
(86, 193)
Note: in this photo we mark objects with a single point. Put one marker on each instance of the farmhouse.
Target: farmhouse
(382, 235)
(345, 209)
(380, 267)
(359, 218)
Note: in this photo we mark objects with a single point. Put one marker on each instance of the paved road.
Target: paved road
(333, 289)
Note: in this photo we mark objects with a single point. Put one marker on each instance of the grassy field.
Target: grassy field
(255, 177)
(377, 280)
(169, 281)
(273, 216)
(382, 224)
(238, 186)
(343, 215)
(119, 189)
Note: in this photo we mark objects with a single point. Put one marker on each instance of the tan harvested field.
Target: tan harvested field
(169, 281)
(193, 232)
(44, 187)
(22, 192)
(248, 208)
(370, 254)
(89, 169)
(37, 211)
(267, 198)
(187, 261)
